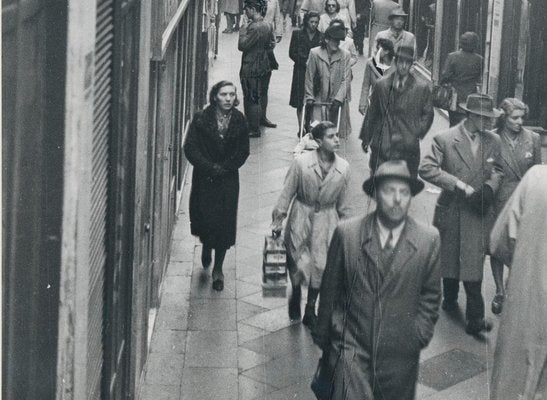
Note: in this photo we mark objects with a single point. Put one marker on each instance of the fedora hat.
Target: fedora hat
(336, 31)
(395, 169)
(397, 12)
(480, 104)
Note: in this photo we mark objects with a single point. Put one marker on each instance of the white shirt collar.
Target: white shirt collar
(384, 232)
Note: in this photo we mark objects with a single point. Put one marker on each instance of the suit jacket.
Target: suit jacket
(255, 41)
(516, 162)
(377, 331)
(464, 233)
(397, 119)
(463, 71)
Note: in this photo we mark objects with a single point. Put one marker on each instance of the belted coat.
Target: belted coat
(464, 233)
(328, 80)
(316, 204)
(373, 329)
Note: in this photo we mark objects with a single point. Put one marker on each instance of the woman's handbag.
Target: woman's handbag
(445, 97)
(321, 384)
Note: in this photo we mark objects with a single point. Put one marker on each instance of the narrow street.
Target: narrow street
(239, 344)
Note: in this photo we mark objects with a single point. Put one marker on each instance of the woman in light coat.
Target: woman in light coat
(328, 79)
(520, 150)
(317, 187)
(332, 12)
(518, 239)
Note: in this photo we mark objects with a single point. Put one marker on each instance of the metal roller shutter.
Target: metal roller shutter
(102, 92)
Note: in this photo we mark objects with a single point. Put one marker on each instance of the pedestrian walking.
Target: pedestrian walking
(380, 11)
(289, 9)
(217, 145)
(375, 68)
(328, 79)
(232, 9)
(256, 42)
(274, 17)
(400, 114)
(302, 41)
(380, 295)
(348, 44)
(463, 71)
(465, 162)
(347, 12)
(316, 190)
(396, 32)
(362, 14)
(520, 150)
(518, 239)
(332, 12)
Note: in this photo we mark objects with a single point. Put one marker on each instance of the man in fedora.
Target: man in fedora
(400, 114)
(380, 294)
(380, 11)
(396, 32)
(464, 162)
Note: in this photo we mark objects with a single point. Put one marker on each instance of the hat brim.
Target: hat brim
(416, 185)
(484, 113)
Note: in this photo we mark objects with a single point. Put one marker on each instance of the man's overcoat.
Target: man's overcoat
(464, 233)
(214, 198)
(379, 19)
(370, 328)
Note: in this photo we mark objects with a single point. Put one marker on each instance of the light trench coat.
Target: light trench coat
(520, 360)
(334, 79)
(317, 205)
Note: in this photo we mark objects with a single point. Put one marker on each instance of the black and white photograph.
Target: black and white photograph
(274, 200)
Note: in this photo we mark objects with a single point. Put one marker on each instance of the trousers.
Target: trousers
(255, 99)
(474, 310)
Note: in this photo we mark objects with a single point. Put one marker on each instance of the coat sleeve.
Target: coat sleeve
(332, 286)
(352, 13)
(448, 71)
(311, 70)
(192, 150)
(365, 87)
(496, 176)
(293, 47)
(430, 295)
(426, 120)
(346, 79)
(241, 153)
(537, 149)
(287, 194)
(343, 204)
(248, 37)
(372, 118)
(354, 54)
(278, 20)
(431, 167)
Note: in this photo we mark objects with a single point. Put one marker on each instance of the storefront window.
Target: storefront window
(423, 26)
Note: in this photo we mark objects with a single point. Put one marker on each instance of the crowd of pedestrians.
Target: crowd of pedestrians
(381, 278)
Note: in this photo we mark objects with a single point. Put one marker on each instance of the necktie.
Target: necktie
(388, 247)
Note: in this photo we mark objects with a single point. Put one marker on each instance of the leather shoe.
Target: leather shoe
(475, 327)
(449, 305)
(497, 303)
(267, 123)
(310, 319)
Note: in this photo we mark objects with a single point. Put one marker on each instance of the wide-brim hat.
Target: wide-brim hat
(394, 169)
(336, 31)
(397, 12)
(480, 104)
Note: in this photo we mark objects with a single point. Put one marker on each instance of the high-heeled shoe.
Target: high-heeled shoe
(218, 281)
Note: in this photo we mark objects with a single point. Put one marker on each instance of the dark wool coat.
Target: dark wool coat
(397, 119)
(255, 41)
(214, 196)
(464, 233)
(373, 331)
(463, 70)
(299, 51)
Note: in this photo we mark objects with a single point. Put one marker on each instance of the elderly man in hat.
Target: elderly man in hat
(396, 32)
(379, 296)
(465, 162)
(256, 41)
(400, 114)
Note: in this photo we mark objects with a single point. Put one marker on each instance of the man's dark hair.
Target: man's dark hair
(319, 130)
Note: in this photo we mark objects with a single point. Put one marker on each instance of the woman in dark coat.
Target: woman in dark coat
(520, 151)
(302, 41)
(217, 145)
(463, 70)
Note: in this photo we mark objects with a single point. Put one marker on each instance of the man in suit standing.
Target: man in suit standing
(380, 294)
(380, 11)
(465, 162)
(396, 32)
(362, 9)
(256, 41)
(399, 115)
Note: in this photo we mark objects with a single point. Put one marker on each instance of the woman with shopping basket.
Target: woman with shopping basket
(315, 197)
(328, 79)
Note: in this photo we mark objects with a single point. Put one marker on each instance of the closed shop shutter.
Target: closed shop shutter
(99, 190)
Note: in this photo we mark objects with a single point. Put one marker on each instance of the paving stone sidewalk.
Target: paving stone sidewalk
(239, 343)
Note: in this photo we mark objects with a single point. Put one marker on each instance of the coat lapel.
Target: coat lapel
(368, 244)
(463, 148)
(404, 250)
(509, 157)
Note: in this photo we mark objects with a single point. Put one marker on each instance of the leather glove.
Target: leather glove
(481, 200)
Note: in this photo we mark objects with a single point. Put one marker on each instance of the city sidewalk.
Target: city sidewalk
(239, 343)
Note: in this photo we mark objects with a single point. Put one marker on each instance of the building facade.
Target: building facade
(97, 97)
